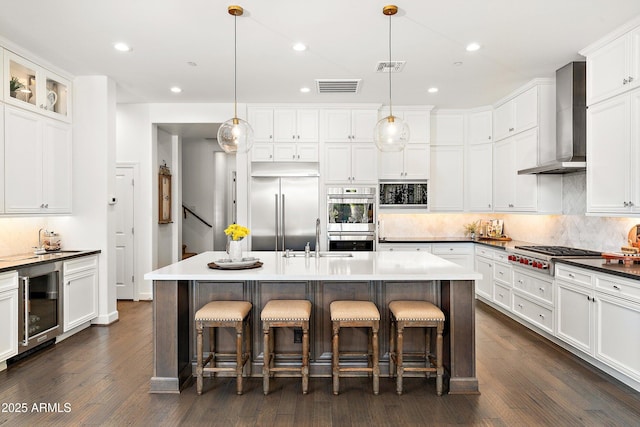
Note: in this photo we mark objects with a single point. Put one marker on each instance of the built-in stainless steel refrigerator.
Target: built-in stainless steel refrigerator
(283, 212)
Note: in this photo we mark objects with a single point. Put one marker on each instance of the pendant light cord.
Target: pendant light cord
(390, 108)
(235, 67)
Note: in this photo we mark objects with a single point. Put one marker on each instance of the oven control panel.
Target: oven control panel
(529, 262)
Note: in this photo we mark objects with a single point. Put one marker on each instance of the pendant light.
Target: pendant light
(235, 135)
(391, 133)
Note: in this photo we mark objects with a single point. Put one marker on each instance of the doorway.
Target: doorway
(124, 230)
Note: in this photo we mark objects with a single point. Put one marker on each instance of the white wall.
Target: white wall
(92, 225)
(165, 232)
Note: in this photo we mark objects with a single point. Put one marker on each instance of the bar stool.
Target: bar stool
(355, 314)
(223, 314)
(415, 314)
(285, 314)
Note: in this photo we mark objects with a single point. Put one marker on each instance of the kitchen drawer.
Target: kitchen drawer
(502, 295)
(619, 287)
(425, 247)
(458, 249)
(502, 273)
(8, 281)
(573, 275)
(535, 313)
(80, 264)
(534, 286)
(501, 256)
(484, 251)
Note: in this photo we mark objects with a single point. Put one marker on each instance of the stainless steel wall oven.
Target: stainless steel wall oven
(39, 304)
(351, 223)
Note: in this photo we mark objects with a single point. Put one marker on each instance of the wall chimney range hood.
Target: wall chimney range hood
(571, 123)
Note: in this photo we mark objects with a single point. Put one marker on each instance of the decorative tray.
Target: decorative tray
(501, 238)
(227, 264)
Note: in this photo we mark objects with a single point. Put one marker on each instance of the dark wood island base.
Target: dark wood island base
(175, 302)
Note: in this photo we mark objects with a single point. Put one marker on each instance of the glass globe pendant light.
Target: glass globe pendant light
(391, 133)
(235, 135)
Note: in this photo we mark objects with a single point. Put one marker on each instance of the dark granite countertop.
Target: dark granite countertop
(599, 265)
(15, 262)
(497, 244)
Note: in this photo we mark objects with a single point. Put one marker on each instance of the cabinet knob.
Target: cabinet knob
(520, 305)
(270, 156)
(616, 287)
(541, 290)
(541, 315)
(510, 129)
(624, 81)
(489, 205)
(630, 79)
(270, 136)
(630, 204)
(489, 137)
(294, 156)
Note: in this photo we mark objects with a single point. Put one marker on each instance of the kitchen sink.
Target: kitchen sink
(300, 254)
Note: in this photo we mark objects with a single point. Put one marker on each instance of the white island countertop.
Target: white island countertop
(383, 265)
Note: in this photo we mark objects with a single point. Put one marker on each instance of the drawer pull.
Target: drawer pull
(520, 305)
(571, 275)
(501, 296)
(541, 315)
(541, 289)
(520, 281)
(616, 287)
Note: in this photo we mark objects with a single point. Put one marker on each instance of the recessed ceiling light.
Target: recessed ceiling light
(432, 90)
(472, 47)
(299, 47)
(122, 47)
(305, 90)
(176, 89)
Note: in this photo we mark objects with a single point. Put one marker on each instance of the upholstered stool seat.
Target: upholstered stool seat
(285, 314)
(355, 314)
(415, 314)
(223, 314)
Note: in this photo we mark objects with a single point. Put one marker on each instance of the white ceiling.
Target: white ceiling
(520, 40)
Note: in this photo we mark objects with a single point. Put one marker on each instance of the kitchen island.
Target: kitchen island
(182, 288)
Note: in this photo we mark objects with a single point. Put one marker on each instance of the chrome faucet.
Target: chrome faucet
(317, 237)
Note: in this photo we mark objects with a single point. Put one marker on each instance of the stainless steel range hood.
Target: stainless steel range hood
(571, 123)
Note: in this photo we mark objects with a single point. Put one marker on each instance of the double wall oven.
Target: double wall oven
(351, 218)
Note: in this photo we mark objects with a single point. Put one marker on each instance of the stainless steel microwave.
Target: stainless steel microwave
(405, 194)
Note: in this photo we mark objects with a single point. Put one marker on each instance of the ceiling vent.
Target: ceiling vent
(390, 66)
(338, 85)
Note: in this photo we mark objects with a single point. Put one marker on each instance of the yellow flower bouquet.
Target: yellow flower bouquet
(237, 232)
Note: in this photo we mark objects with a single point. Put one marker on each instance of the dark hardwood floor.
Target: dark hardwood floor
(100, 376)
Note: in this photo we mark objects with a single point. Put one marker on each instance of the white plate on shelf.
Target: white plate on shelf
(242, 263)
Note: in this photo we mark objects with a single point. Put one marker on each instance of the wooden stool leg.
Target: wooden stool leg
(392, 347)
(239, 356)
(247, 345)
(439, 368)
(267, 355)
(212, 350)
(427, 350)
(376, 363)
(335, 357)
(399, 357)
(199, 358)
(305, 358)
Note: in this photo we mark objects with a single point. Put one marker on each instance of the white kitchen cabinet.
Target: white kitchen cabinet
(262, 152)
(424, 247)
(480, 127)
(285, 152)
(484, 286)
(2, 179)
(595, 312)
(418, 122)
(8, 315)
(523, 193)
(80, 292)
(296, 125)
(613, 138)
(516, 115)
(459, 253)
(42, 91)
(410, 163)
(478, 189)
(261, 120)
(446, 185)
(347, 125)
(350, 163)
(613, 68)
(447, 128)
(617, 343)
(538, 314)
(575, 314)
(37, 163)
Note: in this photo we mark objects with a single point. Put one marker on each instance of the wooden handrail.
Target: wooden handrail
(186, 209)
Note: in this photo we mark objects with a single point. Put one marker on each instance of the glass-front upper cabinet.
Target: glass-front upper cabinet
(30, 86)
